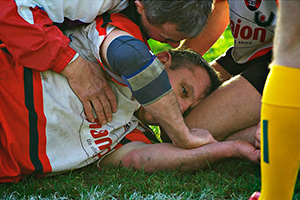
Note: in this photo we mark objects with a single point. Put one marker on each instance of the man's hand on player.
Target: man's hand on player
(88, 81)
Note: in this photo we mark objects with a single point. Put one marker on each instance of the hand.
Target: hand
(197, 137)
(257, 137)
(88, 81)
(247, 151)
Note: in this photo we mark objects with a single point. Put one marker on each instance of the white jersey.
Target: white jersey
(252, 23)
(73, 141)
(81, 10)
(92, 141)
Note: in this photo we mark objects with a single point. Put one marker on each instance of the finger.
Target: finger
(106, 108)
(98, 110)
(112, 100)
(88, 110)
(257, 137)
(257, 144)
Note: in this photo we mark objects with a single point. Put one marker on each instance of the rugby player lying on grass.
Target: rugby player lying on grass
(44, 129)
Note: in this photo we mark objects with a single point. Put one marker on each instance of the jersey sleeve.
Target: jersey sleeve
(32, 39)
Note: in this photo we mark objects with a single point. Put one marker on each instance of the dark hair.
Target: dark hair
(182, 58)
(189, 15)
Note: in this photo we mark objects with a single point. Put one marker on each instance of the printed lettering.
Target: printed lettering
(235, 30)
(95, 126)
(94, 150)
(262, 35)
(105, 151)
(247, 33)
(103, 143)
(101, 133)
(245, 42)
(89, 141)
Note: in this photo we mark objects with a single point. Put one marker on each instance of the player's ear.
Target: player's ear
(139, 6)
(165, 58)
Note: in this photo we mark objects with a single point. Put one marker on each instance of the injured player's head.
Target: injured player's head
(191, 78)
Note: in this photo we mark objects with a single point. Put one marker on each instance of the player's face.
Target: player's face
(189, 87)
(166, 33)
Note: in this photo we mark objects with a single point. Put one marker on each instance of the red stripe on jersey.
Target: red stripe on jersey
(135, 135)
(122, 22)
(41, 125)
(260, 53)
(138, 135)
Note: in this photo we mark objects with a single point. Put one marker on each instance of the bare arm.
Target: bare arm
(163, 156)
(215, 26)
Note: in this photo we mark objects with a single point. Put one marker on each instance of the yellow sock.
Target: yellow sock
(280, 133)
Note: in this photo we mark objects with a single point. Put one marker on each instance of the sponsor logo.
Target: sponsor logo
(101, 140)
(246, 32)
(262, 20)
(252, 4)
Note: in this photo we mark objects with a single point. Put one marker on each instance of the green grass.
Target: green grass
(224, 181)
(231, 180)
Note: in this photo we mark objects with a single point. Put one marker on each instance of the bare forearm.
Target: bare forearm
(164, 156)
(169, 117)
(166, 111)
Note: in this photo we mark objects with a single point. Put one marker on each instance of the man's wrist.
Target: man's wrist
(74, 65)
(181, 139)
(74, 58)
(63, 59)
